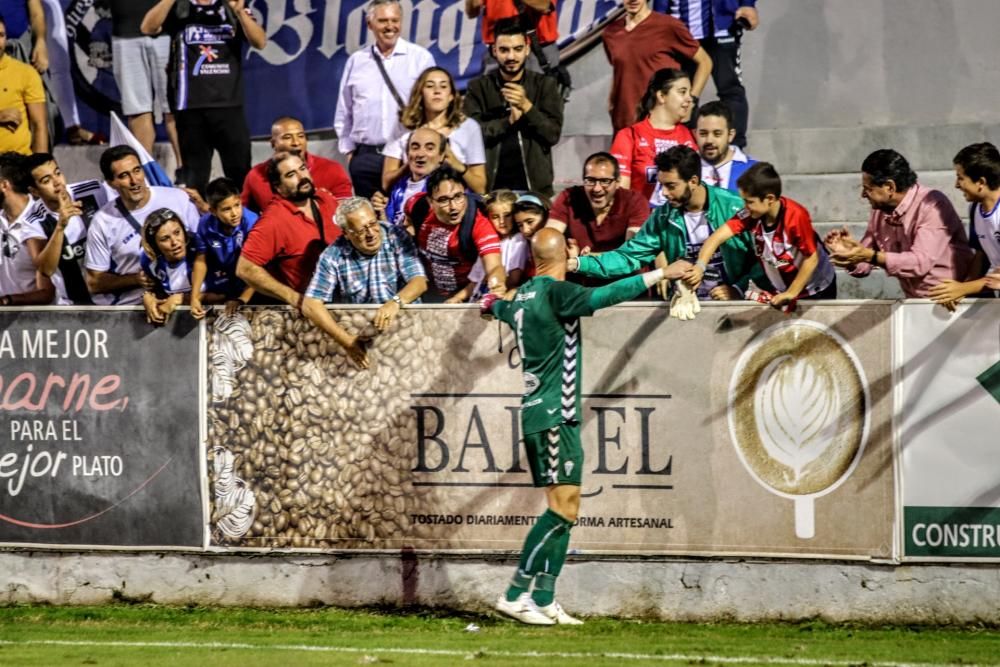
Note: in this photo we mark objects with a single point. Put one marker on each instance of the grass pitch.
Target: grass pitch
(151, 636)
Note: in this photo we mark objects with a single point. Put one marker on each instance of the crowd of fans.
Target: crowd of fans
(445, 190)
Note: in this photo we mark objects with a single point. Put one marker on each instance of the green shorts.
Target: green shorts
(555, 456)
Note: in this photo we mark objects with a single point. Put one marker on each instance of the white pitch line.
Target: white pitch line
(725, 659)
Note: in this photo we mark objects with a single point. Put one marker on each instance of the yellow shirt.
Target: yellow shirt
(20, 85)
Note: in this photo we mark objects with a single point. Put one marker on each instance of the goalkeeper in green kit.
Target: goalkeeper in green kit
(544, 314)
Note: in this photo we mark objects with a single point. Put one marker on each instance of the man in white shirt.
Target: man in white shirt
(114, 238)
(722, 162)
(375, 85)
(21, 239)
(68, 209)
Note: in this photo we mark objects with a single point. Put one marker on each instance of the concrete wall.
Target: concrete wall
(669, 590)
(849, 63)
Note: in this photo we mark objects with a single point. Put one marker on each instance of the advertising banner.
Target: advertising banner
(100, 430)
(298, 72)
(949, 373)
(745, 431)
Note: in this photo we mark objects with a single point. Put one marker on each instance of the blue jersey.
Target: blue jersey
(222, 249)
(171, 278)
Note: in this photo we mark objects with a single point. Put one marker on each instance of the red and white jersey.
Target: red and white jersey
(440, 250)
(636, 147)
(784, 247)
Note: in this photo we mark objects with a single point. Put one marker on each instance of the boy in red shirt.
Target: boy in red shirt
(794, 260)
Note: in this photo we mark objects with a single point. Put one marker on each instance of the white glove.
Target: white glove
(685, 302)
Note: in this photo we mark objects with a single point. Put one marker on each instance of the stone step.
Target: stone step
(837, 197)
(842, 150)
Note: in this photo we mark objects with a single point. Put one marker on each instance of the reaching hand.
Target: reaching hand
(486, 306)
(948, 293)
(357, 352)
(385, 315)
(692, 276)
(993, 279)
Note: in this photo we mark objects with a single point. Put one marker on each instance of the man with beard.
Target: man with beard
(280, 253)
(114, 245)
(21, 239)
(374, 87)
(373, 262)
(913, 232)
(722, 162)
(677, 230)
(521, 115)
(425, 151)
(598, 215)
(289, 136)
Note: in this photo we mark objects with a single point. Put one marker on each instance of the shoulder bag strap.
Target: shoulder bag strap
(128, 216)
(385, 77)
(318, 219)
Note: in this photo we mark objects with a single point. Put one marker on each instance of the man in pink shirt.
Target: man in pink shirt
(913, 232)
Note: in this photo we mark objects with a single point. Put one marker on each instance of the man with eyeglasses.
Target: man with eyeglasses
(598, 216)
(674, 233)
(21, 239)
(452, 232)
(111, 268)
(373, 262)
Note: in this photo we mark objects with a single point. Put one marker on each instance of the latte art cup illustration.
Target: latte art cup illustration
(799, 413)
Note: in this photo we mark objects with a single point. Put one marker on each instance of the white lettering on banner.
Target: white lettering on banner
(40, 429)
(49, 344)
(956, 535)
(97, 466)
(33, 465)
(420, 23)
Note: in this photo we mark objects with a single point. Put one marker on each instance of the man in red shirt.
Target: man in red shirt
(452, 233)
(638, 45)
(289, 136)
(598, 215)
(281, 251)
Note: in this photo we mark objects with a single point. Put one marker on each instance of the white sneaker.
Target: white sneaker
(523, 609)
(556, 613)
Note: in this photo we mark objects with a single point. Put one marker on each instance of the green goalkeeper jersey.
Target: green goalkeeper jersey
(545, 316)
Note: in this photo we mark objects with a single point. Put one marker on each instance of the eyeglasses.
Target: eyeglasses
(160, 217)
(361, 231)
(447, 202)
(591, 182)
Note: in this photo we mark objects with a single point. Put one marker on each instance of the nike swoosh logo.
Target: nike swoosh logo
(552, 410)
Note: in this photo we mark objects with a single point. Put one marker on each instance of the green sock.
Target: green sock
(545, 581)
(519, 583)
(545, 589)
(543, 534)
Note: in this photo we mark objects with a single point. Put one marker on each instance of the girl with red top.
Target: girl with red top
(665, 106)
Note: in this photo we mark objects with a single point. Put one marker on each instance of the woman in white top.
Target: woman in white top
(436, 104)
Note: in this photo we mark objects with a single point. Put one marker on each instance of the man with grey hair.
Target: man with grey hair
(375, 85)
(373, 262)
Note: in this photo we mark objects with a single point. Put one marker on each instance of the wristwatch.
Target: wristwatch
(395, 297)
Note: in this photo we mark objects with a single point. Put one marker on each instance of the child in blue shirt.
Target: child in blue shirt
(217, 246)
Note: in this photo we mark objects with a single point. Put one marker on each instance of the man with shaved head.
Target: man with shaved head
(289, 136)
(545, 315)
